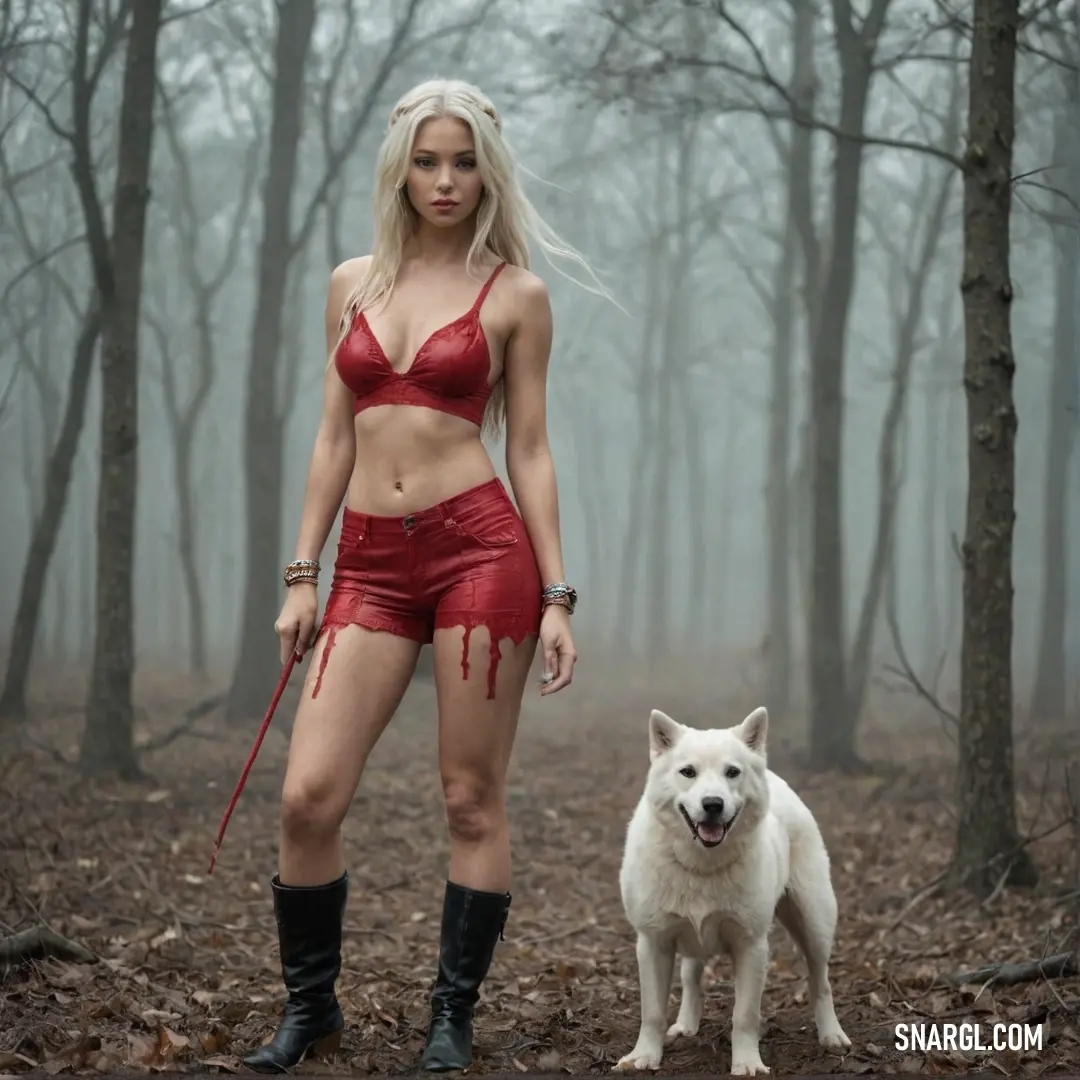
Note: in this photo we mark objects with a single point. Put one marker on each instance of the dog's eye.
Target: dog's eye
(732, 771)
(688, 771)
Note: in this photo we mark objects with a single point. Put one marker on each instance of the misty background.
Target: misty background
(657, 139)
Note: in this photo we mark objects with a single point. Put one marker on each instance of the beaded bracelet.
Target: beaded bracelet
(559, 593)
(302, 570)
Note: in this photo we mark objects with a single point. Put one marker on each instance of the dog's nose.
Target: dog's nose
(713, 806)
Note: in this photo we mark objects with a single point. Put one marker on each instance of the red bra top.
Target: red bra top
(449, 373)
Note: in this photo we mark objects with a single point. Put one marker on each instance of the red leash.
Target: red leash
(286, 671)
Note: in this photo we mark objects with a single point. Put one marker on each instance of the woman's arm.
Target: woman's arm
(334, 454)
(528, 456)
(532, 471)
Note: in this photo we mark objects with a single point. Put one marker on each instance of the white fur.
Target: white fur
(682, 896)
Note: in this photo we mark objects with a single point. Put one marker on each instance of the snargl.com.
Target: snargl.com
(968, 1037)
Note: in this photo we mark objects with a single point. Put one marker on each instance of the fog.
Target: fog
(670, 178)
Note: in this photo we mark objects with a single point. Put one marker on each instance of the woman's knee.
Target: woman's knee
(311, 810)
(475, 807)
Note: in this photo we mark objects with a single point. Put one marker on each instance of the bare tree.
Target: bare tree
(799, 251)
(14, 36)
(263, 449)
(987, 846)
(31, 319)
(831, 728)
(47, 524)
(108, 740)
(915, 267)
(941, 388)
(637, 61)
(86, 73)
(1049, 698)
(184, 406)
(651, 309)
(661, 439)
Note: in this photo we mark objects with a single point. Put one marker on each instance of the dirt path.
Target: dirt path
(187, 972)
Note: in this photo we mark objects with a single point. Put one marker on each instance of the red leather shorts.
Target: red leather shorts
(464, 562)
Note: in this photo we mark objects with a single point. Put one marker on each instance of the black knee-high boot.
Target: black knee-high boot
(472, 922)
(309, 922)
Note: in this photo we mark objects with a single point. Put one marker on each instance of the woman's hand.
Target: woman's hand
(559, 653)
(296, 623)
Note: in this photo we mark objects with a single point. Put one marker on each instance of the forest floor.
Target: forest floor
(183, 967)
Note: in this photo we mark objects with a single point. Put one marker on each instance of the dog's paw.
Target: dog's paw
(638, 1061)
(680, 1027)
(750, 1067)
(835, 1040)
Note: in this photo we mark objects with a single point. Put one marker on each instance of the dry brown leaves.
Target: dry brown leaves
(187, 975)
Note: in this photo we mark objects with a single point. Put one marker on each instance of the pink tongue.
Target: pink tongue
(711, 833)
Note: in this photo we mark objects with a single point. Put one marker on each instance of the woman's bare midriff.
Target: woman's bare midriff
(409, 458)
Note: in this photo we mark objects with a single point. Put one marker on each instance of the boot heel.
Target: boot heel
(327, 1046)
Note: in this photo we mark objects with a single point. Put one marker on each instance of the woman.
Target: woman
(438, 335)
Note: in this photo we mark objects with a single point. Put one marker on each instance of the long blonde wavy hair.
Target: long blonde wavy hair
(506, 219)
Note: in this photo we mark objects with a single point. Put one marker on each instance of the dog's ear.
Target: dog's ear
(754, 730)
(664, 733)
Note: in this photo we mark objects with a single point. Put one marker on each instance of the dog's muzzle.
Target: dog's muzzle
(711, 833)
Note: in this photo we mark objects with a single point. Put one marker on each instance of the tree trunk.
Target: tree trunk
(652, 306)
(108, 741)
(726, 512)
(183, 419)
(256, 668)
(37, 358)
(798, 228)
(890, 468)
(47, 526)
(658, 568)
(589, 456)
(702, 557)
(955, 496)
(803, 197)
(777, 501)
(1050, 696)
(987, 847)
(186, 541)
(832, 732)
(935, 538)
(670, 370)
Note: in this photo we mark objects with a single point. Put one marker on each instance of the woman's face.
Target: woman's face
(444, 183)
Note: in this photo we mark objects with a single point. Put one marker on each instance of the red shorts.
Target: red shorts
(464, 562)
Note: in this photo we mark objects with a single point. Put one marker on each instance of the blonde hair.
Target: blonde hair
(505, 219)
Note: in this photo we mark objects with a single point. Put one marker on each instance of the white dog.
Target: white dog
(718, 844)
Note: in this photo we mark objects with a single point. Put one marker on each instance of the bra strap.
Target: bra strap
(487, 286)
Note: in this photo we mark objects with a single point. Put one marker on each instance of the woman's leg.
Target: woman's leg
(332, 738)
(334, 733)
(476, 737)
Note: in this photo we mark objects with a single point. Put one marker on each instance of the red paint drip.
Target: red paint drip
(465, 654)
(495, 655)
(330, 636)
(495, 634)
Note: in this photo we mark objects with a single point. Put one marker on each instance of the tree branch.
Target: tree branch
(1061, 966)
(39, 943)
